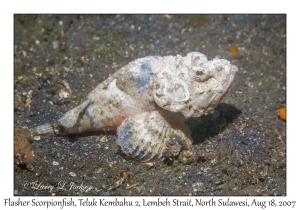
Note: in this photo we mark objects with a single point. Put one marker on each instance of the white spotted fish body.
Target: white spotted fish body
(147, 102)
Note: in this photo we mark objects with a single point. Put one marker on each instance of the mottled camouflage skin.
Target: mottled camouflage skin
(147, 102)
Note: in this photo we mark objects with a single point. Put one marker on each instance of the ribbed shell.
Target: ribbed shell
(146, 136)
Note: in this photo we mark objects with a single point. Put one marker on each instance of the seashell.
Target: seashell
(146, 136)
(147, 102)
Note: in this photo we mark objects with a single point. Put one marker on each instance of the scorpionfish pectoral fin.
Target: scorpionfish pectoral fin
(148, 136)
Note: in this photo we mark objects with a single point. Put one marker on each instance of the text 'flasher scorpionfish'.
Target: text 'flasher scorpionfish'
(147, 102)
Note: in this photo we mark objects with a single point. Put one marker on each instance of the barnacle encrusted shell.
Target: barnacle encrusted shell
(148, 100)
(192, 85)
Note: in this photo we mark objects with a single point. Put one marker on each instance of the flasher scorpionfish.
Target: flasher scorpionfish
(147, 102)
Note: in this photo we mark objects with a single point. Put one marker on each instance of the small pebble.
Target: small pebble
(63, 94)
(233, 50)
(72, 174)
(37, 138)
(104, 139)
(55, 44)
(282, 113)
(55, 163)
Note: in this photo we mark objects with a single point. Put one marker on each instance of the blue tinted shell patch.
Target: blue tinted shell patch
(143, 79)
(88, 115)
(125, 134)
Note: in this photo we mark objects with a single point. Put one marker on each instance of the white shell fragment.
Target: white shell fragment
(147, 102)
